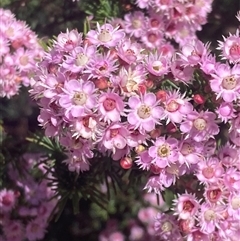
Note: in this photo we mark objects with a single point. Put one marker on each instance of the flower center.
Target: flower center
(235, 49)
(187, 149)
(229, 83)
(81, 60)
(157, 66)
(7, 200)
(136, 23)
(154, 23)
(200, 124)
(213, 195)
(114, 132)
(208, 172)
(172, 106)
(79, 98)
(23, 60)
(235, 202)
(144, 111)
(164, 150)
(130, 52)
(167, 226)
(152, 38)
(209, 215)
(105, 36)
(77, 144)
(188, 206)
(109, 104)
(173, 169)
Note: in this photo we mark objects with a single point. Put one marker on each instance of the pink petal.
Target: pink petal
(149, 99)
(134, 102)
(186, 126)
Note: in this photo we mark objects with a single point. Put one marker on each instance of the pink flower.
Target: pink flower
(186, 206)
(134, 23)
(225, 82)
(78, 97)
(166, 227)
(7, 200)
(176, 107)
(129, 51)
(157, 64)
(164, 152)
(144, 112)
(193, 53)
(101, 65)
(226, 111)
(35, 229)
(68, 41)
(200, 126)
(230, 47)
(105, 35)
(152, 38)
(76, 164)
(209, 217)
(115, 137)
(110, 107)
(14, 230)
(77, 60)
(210, 170)
(190, 152)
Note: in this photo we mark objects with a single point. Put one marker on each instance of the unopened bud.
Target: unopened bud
(171, 128)
(126, 163)
(155, 133)
(101, 83)
(155, 169)
(199, 99)
(161, 95)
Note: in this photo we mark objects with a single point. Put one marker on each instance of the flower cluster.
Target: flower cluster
(106, 94)
(27, 203)
(175, 20)
(19, 52)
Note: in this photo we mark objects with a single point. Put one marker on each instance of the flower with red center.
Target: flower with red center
(210, 170)
(68, 41)
(144, 112)
(105, 35)
(200, 126)
(152, 38)
(176, 107)
(164, 152)
(186, 206)
(7, 200)
(230, 47)
(225, 82)
(110, 107)
(194, 53)
(78, 97)
(215, 193)
(114, 139)
(129, 51)
(101, 65)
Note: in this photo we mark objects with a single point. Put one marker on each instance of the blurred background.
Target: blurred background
(19, 114)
